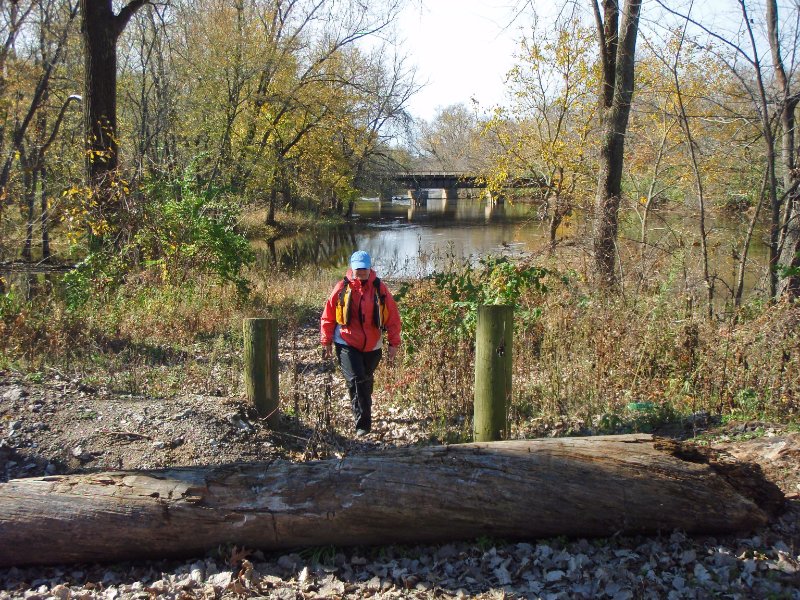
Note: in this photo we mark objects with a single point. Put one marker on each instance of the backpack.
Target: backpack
(380, 313)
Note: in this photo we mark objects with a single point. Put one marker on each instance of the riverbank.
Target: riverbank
(61, 424)
(253, 223)
(149, 375)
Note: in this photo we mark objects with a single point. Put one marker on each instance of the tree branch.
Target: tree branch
(125, 14)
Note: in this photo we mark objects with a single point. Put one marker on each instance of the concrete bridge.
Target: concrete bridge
(451, 182)
(438, 180)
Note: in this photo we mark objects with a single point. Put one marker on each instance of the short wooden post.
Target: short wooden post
(261, 367)
(493, 339)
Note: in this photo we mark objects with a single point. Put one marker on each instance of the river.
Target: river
(412, 241)
(408, 241)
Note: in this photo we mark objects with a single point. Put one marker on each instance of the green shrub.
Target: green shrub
(446, 304)
(9, 307)
(177, 230)
(187, 228)
(99, 272)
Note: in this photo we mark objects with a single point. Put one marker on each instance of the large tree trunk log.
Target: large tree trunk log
(516, 490)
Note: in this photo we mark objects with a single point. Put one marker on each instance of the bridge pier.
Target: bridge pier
(417, 196)
(494, 199)
(451, 193)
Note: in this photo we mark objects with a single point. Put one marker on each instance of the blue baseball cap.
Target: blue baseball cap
(360, 260)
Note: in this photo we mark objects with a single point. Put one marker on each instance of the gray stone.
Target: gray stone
(15, 394)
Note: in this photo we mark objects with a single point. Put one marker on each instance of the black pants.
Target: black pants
(357, 368)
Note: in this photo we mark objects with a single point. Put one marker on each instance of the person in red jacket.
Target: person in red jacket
(358, 311)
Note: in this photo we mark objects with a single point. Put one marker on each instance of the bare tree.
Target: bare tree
(39, 93)
(545, 133)
(47, 35)
(451, 140)
(691, 148)
(784, 234)
(789, 241)
(149, 89)
(276, 71)
(386, 86)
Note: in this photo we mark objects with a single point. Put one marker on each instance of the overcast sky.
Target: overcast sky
(463, 49)
(460, 48)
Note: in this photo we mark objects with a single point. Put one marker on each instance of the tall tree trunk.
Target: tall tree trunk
(615, 124)
(101, 29)
(748, 238)
(789, 239)
(775, 207)
(560, 207)
(273, 196)
(789, 285)
(789, 244)
(286, 191)
(29, 178)
(555, 223)
(44, 217)
(769, 153)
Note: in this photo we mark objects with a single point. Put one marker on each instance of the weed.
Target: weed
(320, 555)
(484, 543)
(586, 357)
(35, 377)
(583, 362)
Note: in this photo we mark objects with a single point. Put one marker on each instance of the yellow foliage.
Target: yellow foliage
(546, 131)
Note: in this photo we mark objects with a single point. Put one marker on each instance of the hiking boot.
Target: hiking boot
(361, 432)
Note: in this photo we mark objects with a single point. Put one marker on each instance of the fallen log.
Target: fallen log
(526, 489)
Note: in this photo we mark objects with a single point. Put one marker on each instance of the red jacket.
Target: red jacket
(360, 332)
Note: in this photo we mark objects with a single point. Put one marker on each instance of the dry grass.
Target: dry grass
(577, 368)
(591, 362)
(253, 223)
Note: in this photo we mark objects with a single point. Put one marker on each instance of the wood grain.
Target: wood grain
(525, 489)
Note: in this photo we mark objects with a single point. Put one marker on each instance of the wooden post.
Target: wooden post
(493, 339)
(261, 367)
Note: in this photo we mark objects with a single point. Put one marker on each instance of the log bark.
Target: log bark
(525, 489)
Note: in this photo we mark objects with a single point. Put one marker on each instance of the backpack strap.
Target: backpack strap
(343, 303)
(380, 313)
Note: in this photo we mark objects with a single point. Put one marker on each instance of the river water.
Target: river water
(408, 241)
(412, 241)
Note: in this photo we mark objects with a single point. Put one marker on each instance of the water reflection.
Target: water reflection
(413, 238)
(27, 285)
(287, 254)
(433, 209)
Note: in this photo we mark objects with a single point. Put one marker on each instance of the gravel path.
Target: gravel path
(670, 566)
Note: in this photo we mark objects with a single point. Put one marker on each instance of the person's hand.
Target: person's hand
(391, 354)
(327, 351)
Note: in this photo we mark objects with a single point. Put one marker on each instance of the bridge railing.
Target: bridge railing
(407, 174)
